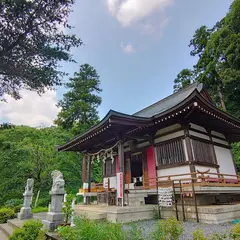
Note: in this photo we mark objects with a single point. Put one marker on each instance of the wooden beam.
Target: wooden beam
(84, 173)
(185, 126)
(89, 178)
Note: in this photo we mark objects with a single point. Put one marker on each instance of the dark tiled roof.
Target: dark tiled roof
(168, 102)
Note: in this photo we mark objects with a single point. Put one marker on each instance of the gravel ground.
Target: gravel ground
(189, 227)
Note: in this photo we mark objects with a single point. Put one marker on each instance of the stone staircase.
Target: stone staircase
(6, 229)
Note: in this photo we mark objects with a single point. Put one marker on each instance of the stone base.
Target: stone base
(25, 213)
(53, 220)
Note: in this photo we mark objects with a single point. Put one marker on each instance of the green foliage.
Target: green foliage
(5, 214)
(79, 104)
(39, 209)
(92, 230)
(27, 152)
(184, 78)
(218, 65)
(198, 234)
(235, 232)
(31, 230)
(13, 203)
(33, 45)
(67, 208)
(44, 202)
(167, 229)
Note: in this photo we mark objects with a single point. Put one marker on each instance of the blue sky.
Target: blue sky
(131, 81)
(137, 47)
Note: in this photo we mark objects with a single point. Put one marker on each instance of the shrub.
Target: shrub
(13, 203)
(198, 234)
(67, 208)
(235, 232)
(169, 229)
(39, 209)
(5, 214)
(43, 202)
(31, 230)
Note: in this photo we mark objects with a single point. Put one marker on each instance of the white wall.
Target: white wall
(174, 171)
(112, 180)
(206, 168)
(197, 127)
(196, 134)
(217, 134)
(169, 136)
(167, 129)
(224, 159)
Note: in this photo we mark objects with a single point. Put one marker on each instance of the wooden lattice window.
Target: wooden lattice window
(170, 152)
(203, 151)
(109, 167)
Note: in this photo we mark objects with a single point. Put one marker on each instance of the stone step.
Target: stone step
(6, 229)
(15, 223)
(3, 236)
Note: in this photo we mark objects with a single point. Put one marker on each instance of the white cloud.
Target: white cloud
(31, 109)
(128, 48)
(130, 12)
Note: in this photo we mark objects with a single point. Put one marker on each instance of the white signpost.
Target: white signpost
(165, 197)
(120, 186)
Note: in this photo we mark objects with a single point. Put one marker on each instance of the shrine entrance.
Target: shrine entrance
(137, 169)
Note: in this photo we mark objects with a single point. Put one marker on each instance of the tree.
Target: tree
(79, 104)
(184, 78)
(218, 65)
(32, 44)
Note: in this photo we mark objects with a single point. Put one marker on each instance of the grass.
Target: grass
(39, 209)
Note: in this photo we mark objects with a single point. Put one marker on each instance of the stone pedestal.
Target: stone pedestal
(26, 211)
(55, 217)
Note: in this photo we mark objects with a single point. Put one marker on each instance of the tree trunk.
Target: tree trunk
(221, 99)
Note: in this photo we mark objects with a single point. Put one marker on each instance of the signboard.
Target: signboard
(165, 197)
(120, 185)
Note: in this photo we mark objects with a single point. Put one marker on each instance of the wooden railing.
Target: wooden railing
(198, 178)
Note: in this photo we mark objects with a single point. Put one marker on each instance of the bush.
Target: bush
(169, 229)
(17, 209)
(43, 202)
(198, 234)
(235, 232)
(39, 209)
(13, 203)
(92, 230)
(31, 230)
(5, 214)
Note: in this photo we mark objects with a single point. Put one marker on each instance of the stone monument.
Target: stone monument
(55, 216)
(25, 211)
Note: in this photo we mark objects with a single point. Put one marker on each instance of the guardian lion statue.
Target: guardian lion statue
(29, 186)
(58, 181)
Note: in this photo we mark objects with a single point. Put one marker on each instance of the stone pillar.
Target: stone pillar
(26, 211)
(55, 216)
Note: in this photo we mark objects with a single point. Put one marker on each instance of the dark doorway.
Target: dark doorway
(136, 169)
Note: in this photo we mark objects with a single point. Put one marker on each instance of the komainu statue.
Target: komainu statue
(58, 181)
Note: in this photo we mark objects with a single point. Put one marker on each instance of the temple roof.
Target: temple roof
(169, 102)
(192, 103)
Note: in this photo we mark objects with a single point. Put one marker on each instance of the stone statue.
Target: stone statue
(29, 186)
(58, 181)
(26, 211)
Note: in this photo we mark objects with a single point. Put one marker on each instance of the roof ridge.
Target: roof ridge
(169, 96)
